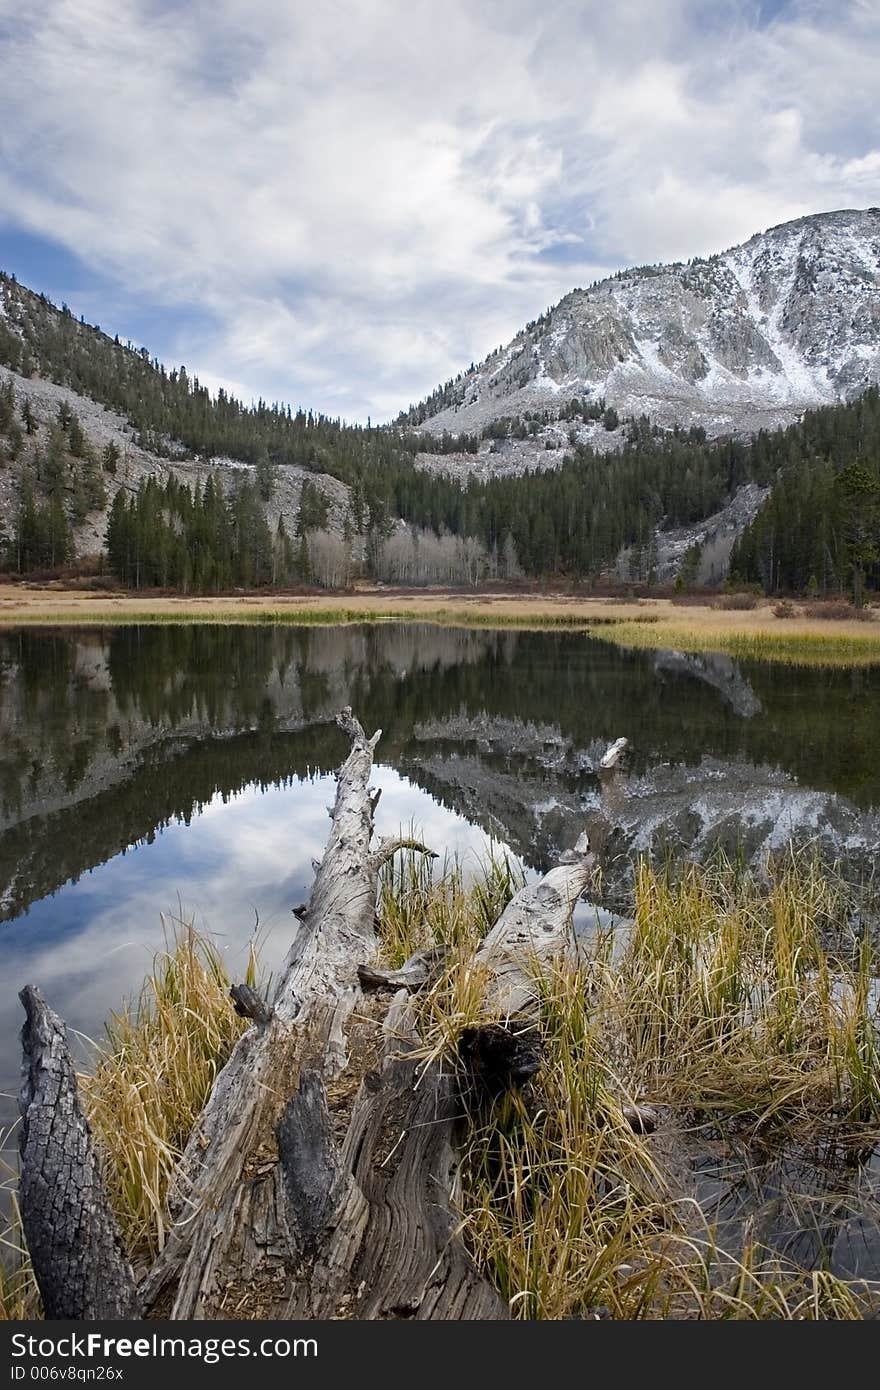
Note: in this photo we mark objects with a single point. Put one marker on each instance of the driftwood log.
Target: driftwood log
(315, 1184)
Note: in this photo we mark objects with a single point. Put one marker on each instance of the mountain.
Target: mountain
(622, 432)
(744, 340)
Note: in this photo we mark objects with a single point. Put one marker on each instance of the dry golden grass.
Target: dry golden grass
(153, 1074)
(653, 623)
(752, 1006)
(19, 1296)
(755, 635)
(727, 1002)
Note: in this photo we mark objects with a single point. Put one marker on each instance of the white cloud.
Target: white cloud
(365, 196)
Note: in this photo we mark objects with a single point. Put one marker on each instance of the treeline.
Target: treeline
(818, 527)
(173, 414)
(445, 443)
(575, 520)
(169, 537)
(819, 530)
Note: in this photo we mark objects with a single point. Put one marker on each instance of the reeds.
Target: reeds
(471, 613)
(19, 1297)
(744, 1008)
(798, 648)
(751, 1009)
(153, 1074)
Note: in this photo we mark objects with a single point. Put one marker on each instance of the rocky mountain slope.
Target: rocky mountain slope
(744, 340)
(747, 339)
(102, 425)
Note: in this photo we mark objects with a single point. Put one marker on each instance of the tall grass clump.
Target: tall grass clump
(19, 1297)
(795, 648)
(747, 1008)
(422, 904)
(153, 1073)
(750, 1001)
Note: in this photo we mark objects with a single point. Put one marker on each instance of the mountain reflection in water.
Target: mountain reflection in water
(187, 770)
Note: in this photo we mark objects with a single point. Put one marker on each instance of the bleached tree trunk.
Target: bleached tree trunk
(312, 1187)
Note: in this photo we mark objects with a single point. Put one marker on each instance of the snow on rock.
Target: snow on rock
(743, 340)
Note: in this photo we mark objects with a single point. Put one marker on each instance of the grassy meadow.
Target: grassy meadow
(805, 635)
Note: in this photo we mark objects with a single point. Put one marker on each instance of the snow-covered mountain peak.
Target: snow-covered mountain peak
(746, 338)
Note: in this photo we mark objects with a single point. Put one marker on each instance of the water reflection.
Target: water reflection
(188, 771)
(241, 864)
(144, 726)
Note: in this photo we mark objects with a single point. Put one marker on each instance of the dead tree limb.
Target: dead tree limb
(297, 1197)
(413, 975)
(71, 1232)
(388, 848)
(535, 926)
(231, 1231)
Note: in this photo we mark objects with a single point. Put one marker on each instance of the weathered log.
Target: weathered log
(295, 1197)
(391, 1248)
(231, 1230)
(414, 974)
(71, 1232)
(308, 1156)
(535, 927)
(246, 1230)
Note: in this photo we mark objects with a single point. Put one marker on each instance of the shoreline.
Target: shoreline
(643, 623)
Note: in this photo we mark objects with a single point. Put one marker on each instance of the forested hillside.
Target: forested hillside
(819, 529)
(820, 525)
(174, 414)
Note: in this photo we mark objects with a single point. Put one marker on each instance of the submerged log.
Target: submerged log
(311, 1189)
(71, 1233)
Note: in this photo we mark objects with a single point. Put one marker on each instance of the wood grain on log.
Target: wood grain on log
(71, 1233)
(533, 928)
(307, 1188)
(407, 1259)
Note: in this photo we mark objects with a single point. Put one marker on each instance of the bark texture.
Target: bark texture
(313, 1186)
(71, 1232)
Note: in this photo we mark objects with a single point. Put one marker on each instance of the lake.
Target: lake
(152, 773)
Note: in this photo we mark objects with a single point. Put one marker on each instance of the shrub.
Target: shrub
(738, 601)
(838, 610)
(784, 609)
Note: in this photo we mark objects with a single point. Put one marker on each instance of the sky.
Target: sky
(340, 205)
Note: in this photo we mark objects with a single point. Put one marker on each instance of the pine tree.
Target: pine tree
(265, 474)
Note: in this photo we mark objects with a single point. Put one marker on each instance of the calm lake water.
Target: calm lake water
(187, 771)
